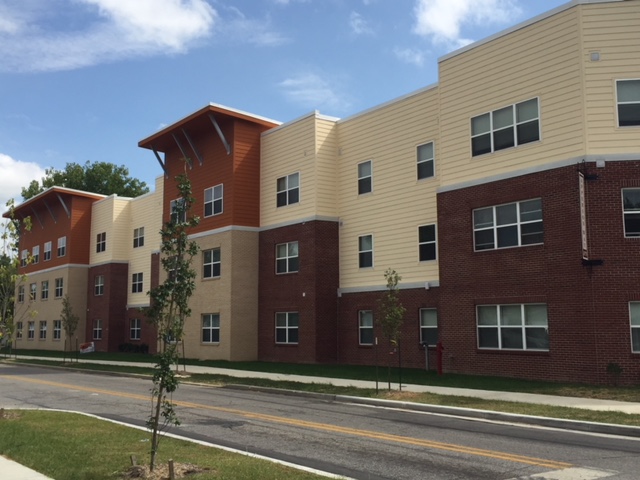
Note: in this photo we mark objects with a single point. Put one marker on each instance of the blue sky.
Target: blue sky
(87, 79)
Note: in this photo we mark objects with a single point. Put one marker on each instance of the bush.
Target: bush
(133, 348)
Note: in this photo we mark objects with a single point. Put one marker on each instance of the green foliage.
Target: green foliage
(98, 177)
(392, 312)
(68, 318)
(170, 308)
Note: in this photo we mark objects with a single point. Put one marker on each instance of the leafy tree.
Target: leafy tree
(98, 177)
(169, 309)
(391, 315)
(69, 319)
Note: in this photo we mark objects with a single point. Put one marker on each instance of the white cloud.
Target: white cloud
(240, 29)
(310, 90)
(443, 20)
(410, 55)
(15, 175)
(359, 25)
(118, 29)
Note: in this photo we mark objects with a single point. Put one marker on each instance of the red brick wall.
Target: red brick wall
(110, 307)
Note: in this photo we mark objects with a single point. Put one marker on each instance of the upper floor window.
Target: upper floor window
(178, 211)
(506, 127)
(211, 328)
(211, 263)
(136, 282)
(365, 251)
(288, 190)
(427, 242)
(24, 258)
(44, 290)
(429, 326)
(628, 98)
(59, 287)
(33, 289)
(365, 327)
(365, 177)
(101, 242)
(511, 225)
(287, 327)
(513, 327)
(138, 237)
(213, 201)
(35, 253)
(425, 161)
(21, 294)
(98, 285)
(634, 316)
(47, 251)
(62, 246)
(631, 211)
(287, 257)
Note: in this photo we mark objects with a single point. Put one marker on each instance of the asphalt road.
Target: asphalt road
(356, 441)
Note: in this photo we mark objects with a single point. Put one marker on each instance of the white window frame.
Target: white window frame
(20, 293)
(214, 198)
(518, 224)
(502, 324)
(210, 263)
(288, 322)
(44, 290)
(427, 317)
(137, 282)
(634, 324)
(97, 329)
(31, 330)
(43, 330)
(210, 328)
(620, 104)
(631, 212)
(101, 242)
(285, 192)
(35, 254)
(46, 256)
(365, 327)
(57, 329)
(135, 329)
(287, 260)
(138, 237)
(426, 243)
(98, 286)
(515, 123)
(365, 178)
(33, 291)
(24, 258)
(19, 327)
(59, 289)
(173, 206)
(362, 253)
(62, 246)
(422, 162)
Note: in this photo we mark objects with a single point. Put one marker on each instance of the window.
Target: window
(427, 242)
(59, 287)
(135, 329)
(101, 242)
(510, 225)
(365, 327)
(429, 326)
(634, 315)
(43, 330)
(33, 289)
(287, 257)
(425, 161)
(136, 283)
(628, 96)
(178, 211)
(31, 333)
(44, 290)
(24, 258)
(57, 329)
(47, 251)
(287, 327)
(211, 263)
(213, 201)
(288, 190)
(138, 237)
(631, 211)
(19, 327)
(365, 251)
(21, 294)
(513, 327)
(97, 329)
(211, 328)
(98, 285)
(365, 177)
(35, 254)
(62, 246)
(504, 128)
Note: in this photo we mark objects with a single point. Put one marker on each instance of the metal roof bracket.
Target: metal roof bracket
(162, 164)
(193, 147)
(220, 134)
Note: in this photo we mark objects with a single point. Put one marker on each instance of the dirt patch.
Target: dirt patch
(161, 472)
(8, 414)
(400, 396)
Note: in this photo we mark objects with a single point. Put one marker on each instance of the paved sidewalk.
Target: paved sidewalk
(14, 471)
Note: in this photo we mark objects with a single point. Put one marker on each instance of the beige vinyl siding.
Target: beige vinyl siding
(111, 215)
(326, 165)
(541, 60)
(399, 203)
(613, 30)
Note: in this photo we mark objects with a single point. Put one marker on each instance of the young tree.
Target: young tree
(391, 315)
(169, 310)
(69, 320)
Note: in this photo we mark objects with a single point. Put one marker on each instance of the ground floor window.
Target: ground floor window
(634, 314)
(287, 327)
(135, 329)
(18, 330)
(429, 326)
(365, 327)
(31, 330)
(97, 329)
(211, 328)
(43, 330)
(57, 329)
(513, 327)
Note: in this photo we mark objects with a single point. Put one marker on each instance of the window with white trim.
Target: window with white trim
(97, 329)
(634, 316)
(101, 242)
(211, 263)
(505, 128)
(138, 237)
(135, 329)
(510, 225)
(33, 291)
(136, 283)
(21, 294)
(365, 327)
(628, 101)
(24, 258)
(35, 254)
(59, 287)
(178, 211)
(31, 330)
(211, 328)
(288, 190)
(57, 329)
(47, 251)
(365, 177)
(425, 161)
(513, 327)
(429, 326)
(44, 290)
(19, 327)
(427, 242)
(287, 327)
(43, 330)
(98, 286)
(287, 257)
(365, 251)
(631, 211)
(213, 201)
(62, 246)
